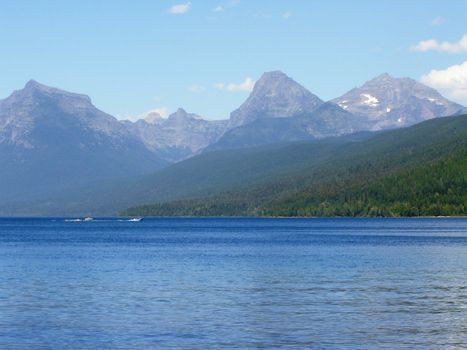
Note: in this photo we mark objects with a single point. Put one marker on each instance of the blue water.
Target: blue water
(233, 284)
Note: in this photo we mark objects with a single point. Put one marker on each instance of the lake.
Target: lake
(233, 284)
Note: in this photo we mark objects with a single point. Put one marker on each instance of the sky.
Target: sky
(131, 57)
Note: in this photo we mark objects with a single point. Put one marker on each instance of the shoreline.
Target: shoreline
(233, 217)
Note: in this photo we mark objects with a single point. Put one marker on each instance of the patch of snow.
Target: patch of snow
(370, 100)
(343, 104)
(388, 109)
(435, 101)
(400, 120)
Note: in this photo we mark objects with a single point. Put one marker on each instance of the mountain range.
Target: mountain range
(55, 145)
(179, 136)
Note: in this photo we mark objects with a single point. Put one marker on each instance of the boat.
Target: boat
(135, 219)
(88, 219)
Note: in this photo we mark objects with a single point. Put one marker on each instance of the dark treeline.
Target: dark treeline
(436, 189)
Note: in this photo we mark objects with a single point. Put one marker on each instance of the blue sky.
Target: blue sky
(135, 56)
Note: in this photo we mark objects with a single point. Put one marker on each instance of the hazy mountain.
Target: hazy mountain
(274, 95)
(330, 120)
(280, 110)
(243, 180)
(389, 102)
(325, 121)
(53, 138)
(204, 174)
(179, 136)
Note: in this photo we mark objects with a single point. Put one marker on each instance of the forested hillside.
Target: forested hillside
(421, 170)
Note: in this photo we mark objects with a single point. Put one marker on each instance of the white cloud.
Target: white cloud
(196, 88)
(225, 6)
(286, 15)
(425, 45)
(445, 46)
(218, 9)
(162, 111)
(246, 85)
(180, 8)
(437, 21)
(451, 81)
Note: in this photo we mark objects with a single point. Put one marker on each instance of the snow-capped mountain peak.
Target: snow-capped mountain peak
(389, 102)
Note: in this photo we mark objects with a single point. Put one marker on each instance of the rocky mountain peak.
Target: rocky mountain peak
(383, 77)
(389, 102)
(34, 88)
(33, 84)
(178, 136)
(272, 77)
(38, 106)
(182, 116)
(180, 113)
(275, 95)
(386, 81)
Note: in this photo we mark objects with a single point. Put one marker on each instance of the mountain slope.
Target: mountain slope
(350, 170)
(327, 120)
(202, 175)
(389, 102)
(51, 138)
